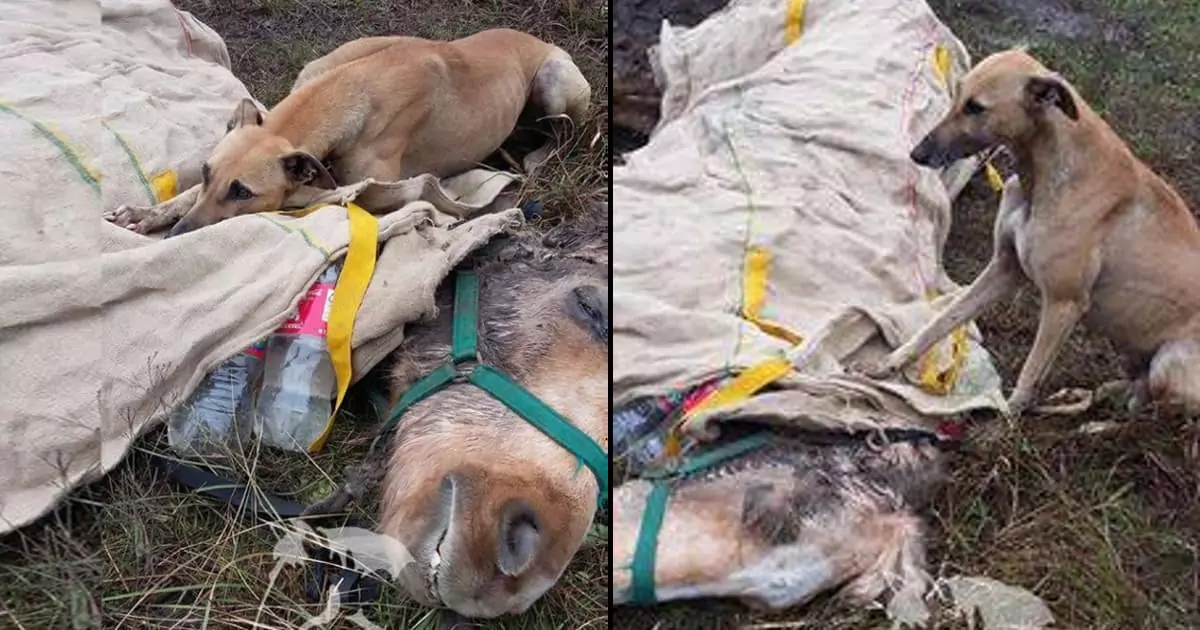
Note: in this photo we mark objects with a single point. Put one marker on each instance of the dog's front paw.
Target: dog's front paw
(1066, 402)
(140, 219)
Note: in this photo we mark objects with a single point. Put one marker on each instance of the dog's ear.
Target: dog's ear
(303, 168)
(1047, 91)
(246, 113)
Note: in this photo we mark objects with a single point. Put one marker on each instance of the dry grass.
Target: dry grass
(1105, 529)
(133, 551)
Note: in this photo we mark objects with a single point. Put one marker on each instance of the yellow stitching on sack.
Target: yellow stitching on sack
(795, 21)
(352, 282)
(290, 229)
(754, 295)
(299, 214)
(89, 175)
(133, 159)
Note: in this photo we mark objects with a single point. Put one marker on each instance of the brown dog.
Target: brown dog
(385, 108)
(1104, 239)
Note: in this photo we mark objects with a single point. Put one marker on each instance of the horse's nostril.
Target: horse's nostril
(519, 537)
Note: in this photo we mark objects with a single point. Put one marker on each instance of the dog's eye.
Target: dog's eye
(205, 173)
(972, 107)
(238, 192)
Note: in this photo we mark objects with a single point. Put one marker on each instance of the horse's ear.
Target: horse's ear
(520, 537)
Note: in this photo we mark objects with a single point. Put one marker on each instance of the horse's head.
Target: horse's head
(492, 509)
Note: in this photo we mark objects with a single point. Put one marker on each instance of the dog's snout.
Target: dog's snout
(180, 227)
(923, 152)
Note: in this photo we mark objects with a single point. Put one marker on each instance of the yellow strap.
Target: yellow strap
(795, 21)
(994, 178)
(352, 282)
(742, 387)
(942, 382)
(163, 185)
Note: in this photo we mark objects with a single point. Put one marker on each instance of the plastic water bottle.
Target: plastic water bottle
(298, 379)
(641, 429)
(219, 414)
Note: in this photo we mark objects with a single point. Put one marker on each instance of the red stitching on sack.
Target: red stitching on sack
(910, 173)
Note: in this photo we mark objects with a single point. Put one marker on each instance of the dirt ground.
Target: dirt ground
(132, 551)
(1105, 529)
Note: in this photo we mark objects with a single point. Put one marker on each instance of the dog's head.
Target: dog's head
(251, 170)
(1005, 99)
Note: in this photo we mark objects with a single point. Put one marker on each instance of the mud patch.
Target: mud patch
(635, 28)
(1074, 20)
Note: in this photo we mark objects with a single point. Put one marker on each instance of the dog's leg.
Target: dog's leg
(1175, 374)
(998, 279)
(1134, 394)
(146, 219)
(1058, 318)
(1001, 276)
(559, 89)
(374, 200)
(1175, 378)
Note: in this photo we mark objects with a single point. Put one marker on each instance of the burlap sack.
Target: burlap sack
(103, 330)
(775, 211)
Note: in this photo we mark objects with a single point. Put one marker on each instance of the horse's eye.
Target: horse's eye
(589, 308)
(972, 107)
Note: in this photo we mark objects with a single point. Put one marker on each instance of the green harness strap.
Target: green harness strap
(645, 552)
(465, 348)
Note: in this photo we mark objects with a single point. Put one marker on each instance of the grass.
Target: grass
(133, 551)
(1106, 529)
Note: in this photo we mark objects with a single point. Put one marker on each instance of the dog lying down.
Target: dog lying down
(1103, 238)
(385, 108)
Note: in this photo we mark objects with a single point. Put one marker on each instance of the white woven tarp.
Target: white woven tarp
(775, 210)
(101, 329)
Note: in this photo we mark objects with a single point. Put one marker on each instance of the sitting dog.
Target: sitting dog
(1104, 239)
(385, 108)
